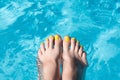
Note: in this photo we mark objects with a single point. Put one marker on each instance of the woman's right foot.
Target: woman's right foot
(72, 52)
(48, 56)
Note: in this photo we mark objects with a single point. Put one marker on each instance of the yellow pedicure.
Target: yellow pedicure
(77, 41)
(67, 38)
(81, 46)
(41, 43)
(51, 36)
(46, 39)
(56, 37)
(73, 38)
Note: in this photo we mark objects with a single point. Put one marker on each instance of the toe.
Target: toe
(57, 41)
(80, 51)
(46, 43)
(51, 38)
(66, 43)
(39, 53)
(77, 49)
(77, 46)
(42, 46)
(72, 44)
(84, 59)
(39, 57)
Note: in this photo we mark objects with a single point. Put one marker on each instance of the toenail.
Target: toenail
(41, 43)
(51, 36)
(56, 37)
(46, 39)
(67, 38)
(73, 38)
(77, 41)
(81, 46)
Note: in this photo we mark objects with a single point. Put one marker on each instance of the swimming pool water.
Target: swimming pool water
(26, 23)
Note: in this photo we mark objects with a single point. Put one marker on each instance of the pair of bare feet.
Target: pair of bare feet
(55, 49)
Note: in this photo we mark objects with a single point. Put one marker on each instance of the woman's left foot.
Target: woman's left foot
(48, 56)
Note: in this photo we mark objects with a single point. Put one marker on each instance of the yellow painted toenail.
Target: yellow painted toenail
(46, 39)
(73, 38)
(81, 46)
(41, 43)
(56, 37)
(67, 38)
(77, 41)
(51, 36)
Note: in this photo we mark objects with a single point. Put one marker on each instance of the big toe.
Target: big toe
(66, 43)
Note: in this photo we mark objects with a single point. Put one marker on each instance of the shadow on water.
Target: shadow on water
(81, 72)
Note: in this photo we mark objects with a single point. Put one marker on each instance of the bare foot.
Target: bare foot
(48, 56)
(72, 52)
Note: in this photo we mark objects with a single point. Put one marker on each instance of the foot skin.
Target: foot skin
(48, 56)
(72, 52)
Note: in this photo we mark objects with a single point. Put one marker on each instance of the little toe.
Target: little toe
(72, 44)
(57, 41)
(51, 38)
(66, 43)
(39, 57)
(39, 53)
(84, 59)
(42, 46)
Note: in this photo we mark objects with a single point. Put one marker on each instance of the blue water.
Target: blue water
(26, 23)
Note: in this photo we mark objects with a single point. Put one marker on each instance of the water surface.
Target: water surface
(26, 23)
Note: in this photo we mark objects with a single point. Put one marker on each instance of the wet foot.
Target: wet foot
(48, 56)
(72, 52)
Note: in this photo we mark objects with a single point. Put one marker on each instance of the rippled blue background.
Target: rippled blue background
(26, 23)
